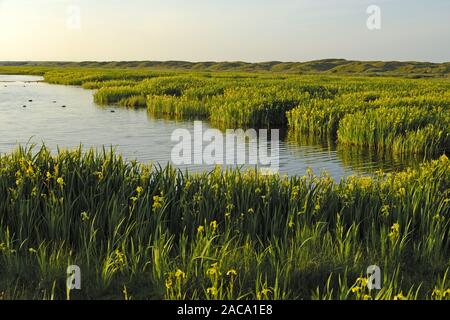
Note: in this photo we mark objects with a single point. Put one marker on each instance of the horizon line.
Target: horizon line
(220, 61)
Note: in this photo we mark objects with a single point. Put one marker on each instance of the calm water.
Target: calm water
(135, 133)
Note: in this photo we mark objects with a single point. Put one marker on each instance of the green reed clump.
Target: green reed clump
(316, 117)
(114, 95)
(182, 107)
(205, 91)
(192, 89)
(398, 130)
(106, 84)
(321, 117)
(173, 86)
(248, 107)
(133, 101)
(157, 232)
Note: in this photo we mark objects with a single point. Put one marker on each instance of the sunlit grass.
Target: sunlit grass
(162, 233)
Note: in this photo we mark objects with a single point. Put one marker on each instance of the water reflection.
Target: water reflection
(358, 160)
(366, 160)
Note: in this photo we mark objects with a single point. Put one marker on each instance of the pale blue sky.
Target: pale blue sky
(206, 30)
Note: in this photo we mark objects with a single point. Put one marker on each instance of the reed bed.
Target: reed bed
(178, 107)
(114, 95)
(353, 111)
(106, 84)
(133, 102)
(316, 117)
(147, 232)
(258, 112)
(405, 130)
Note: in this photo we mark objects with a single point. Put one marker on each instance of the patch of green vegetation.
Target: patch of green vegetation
(319, 105)
(161, 234)
(404, 130)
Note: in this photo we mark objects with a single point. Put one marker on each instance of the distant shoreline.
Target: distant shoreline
(325, 66)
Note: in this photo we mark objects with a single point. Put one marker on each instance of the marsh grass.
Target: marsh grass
(133, 101)
(105, 84)
(163, 233)
(114, 95)
(401, 130)
(354, 111)
(180, 108)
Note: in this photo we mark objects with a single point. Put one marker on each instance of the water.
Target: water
(138, 135)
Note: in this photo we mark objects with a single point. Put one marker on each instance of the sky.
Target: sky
(223, 30)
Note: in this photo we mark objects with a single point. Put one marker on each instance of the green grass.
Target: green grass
(405, 130)
(177, 107)
(133, 102)
(104, 84)
(160, 233)
(114, 95)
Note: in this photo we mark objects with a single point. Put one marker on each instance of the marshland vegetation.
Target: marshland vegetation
(141, 231)
(387, 115)
(146, 232)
